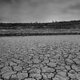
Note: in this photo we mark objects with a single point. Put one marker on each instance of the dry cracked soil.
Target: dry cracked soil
(60, 61)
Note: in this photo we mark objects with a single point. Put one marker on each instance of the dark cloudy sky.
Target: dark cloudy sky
(39, 10)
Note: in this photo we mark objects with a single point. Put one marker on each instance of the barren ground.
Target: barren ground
(40, 58)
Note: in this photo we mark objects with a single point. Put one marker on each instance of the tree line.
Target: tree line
(50, 25)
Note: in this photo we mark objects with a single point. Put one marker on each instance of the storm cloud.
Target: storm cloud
(75, 6)
(39, 10)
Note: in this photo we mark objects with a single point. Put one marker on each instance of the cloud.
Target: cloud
(33, 2)
(6, 1)
(37, 10)
(75, 7)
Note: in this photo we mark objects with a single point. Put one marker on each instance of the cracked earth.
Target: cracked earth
(60, 61)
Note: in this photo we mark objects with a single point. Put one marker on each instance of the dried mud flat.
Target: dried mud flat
(57, 61)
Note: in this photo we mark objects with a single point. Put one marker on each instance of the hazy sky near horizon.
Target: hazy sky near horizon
(39, 10)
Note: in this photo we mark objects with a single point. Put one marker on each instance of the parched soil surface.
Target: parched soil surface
(58, 61)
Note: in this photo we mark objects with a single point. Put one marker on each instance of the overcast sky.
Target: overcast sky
(39, 10)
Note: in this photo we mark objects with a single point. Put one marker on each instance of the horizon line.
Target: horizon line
(44, 22)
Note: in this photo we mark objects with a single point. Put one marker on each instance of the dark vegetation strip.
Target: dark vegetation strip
(38, 34)
(49, 25)
(40, 29)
